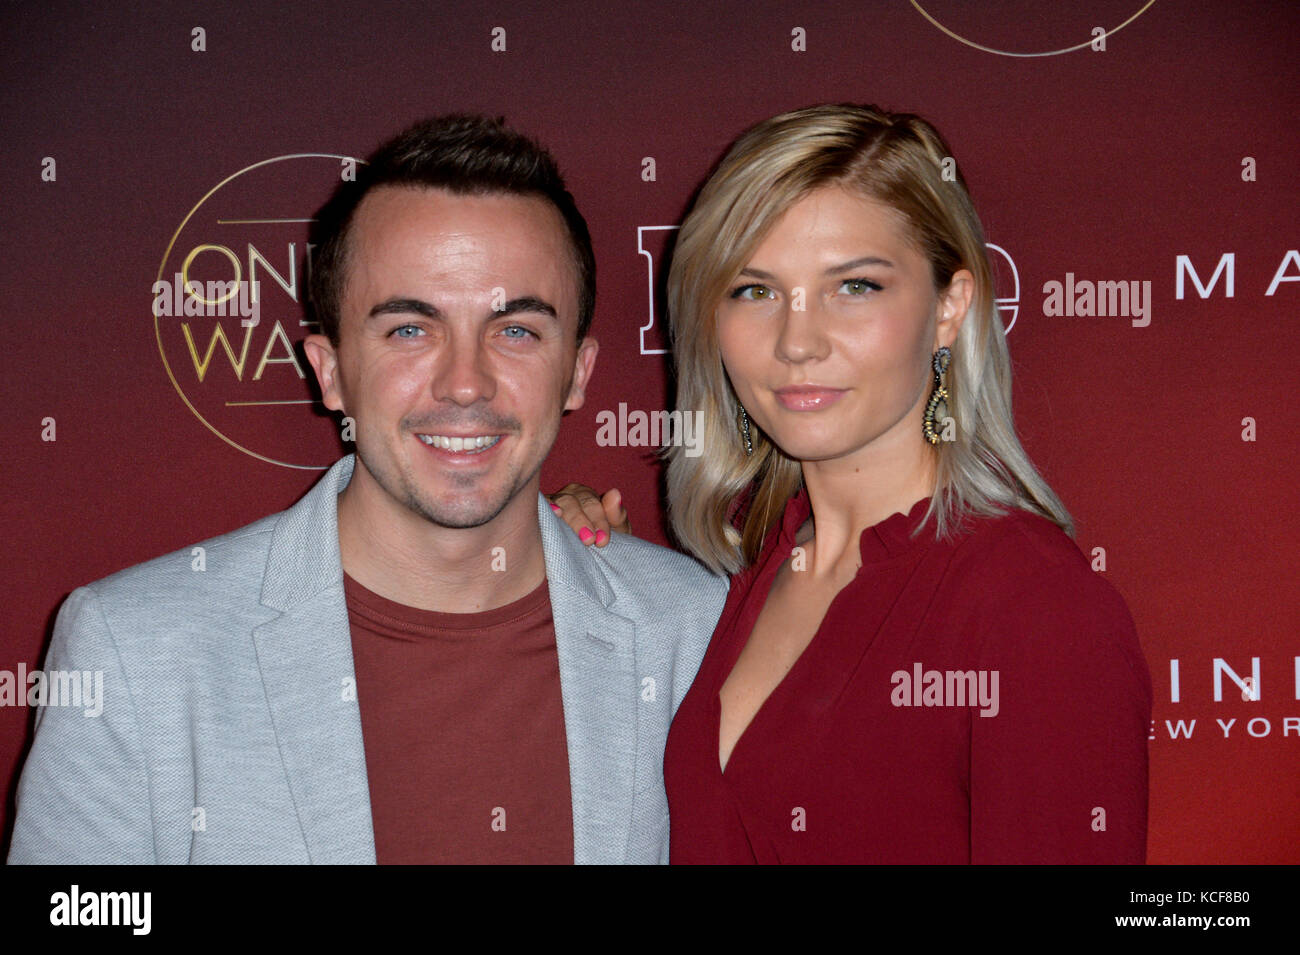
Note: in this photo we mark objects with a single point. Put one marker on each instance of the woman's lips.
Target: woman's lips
(808, 397)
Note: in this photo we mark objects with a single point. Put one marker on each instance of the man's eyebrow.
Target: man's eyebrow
(402, 305)
(528, 303)
(833, 270)
(525, 303)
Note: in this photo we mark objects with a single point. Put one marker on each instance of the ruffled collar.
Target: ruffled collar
(883, 541)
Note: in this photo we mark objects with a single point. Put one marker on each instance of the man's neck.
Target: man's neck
(403, 557)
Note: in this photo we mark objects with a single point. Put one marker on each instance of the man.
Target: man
(418, 662)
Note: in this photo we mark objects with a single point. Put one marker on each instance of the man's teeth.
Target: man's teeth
(476, 443)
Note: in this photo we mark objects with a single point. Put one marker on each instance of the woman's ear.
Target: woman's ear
(954, 303)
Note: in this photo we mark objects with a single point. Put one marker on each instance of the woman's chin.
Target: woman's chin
(810, 451)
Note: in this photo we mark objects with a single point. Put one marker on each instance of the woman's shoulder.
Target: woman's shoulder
(1014, 546)
(1022, 558)
(1031, 598)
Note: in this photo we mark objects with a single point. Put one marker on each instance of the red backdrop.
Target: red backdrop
(1177, 139)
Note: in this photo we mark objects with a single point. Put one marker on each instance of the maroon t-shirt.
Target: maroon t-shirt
(854, 759)
(463, 725)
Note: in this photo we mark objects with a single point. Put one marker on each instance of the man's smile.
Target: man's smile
(462, 449)
(468, 444)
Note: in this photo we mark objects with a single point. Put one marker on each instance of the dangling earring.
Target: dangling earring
(744, 431)
(939, 396)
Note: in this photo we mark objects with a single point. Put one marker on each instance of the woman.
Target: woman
(916, 664)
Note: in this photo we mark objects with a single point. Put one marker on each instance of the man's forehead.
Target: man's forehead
(403, 227)
(399, 228)
(395, 206)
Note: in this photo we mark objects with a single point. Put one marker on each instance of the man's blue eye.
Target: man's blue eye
(523, 332)
(400, 331)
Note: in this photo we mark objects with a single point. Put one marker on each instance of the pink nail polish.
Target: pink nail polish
(601, 537)
(586, 536)
(555, 507)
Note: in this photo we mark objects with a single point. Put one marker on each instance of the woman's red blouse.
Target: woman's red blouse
(853, 759)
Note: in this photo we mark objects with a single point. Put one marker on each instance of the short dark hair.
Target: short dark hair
(465, 155)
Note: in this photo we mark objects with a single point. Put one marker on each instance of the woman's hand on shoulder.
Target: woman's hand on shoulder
(592, 517)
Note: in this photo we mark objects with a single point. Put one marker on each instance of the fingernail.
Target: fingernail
(555, 507)
(601, 537)
(586, 536)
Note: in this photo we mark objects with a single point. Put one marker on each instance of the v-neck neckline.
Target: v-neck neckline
(882, 542)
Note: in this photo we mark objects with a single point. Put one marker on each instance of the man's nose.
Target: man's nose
(463, 375)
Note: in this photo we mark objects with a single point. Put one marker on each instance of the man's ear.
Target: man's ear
(583, 365)
(325, 362)
(954, 303)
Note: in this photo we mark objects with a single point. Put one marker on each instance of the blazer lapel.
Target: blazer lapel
(305, 658)
(596, 649)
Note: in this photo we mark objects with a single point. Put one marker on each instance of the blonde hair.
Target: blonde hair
(893, 158)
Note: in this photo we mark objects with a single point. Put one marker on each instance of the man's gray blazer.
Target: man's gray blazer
(230, 730)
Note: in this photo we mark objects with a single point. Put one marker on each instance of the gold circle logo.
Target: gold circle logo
(228, 310)
(1069, 49)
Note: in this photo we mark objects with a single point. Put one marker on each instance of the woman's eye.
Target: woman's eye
(859, 286)
(755, 293)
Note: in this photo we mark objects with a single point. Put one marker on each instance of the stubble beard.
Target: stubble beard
(465, 514)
